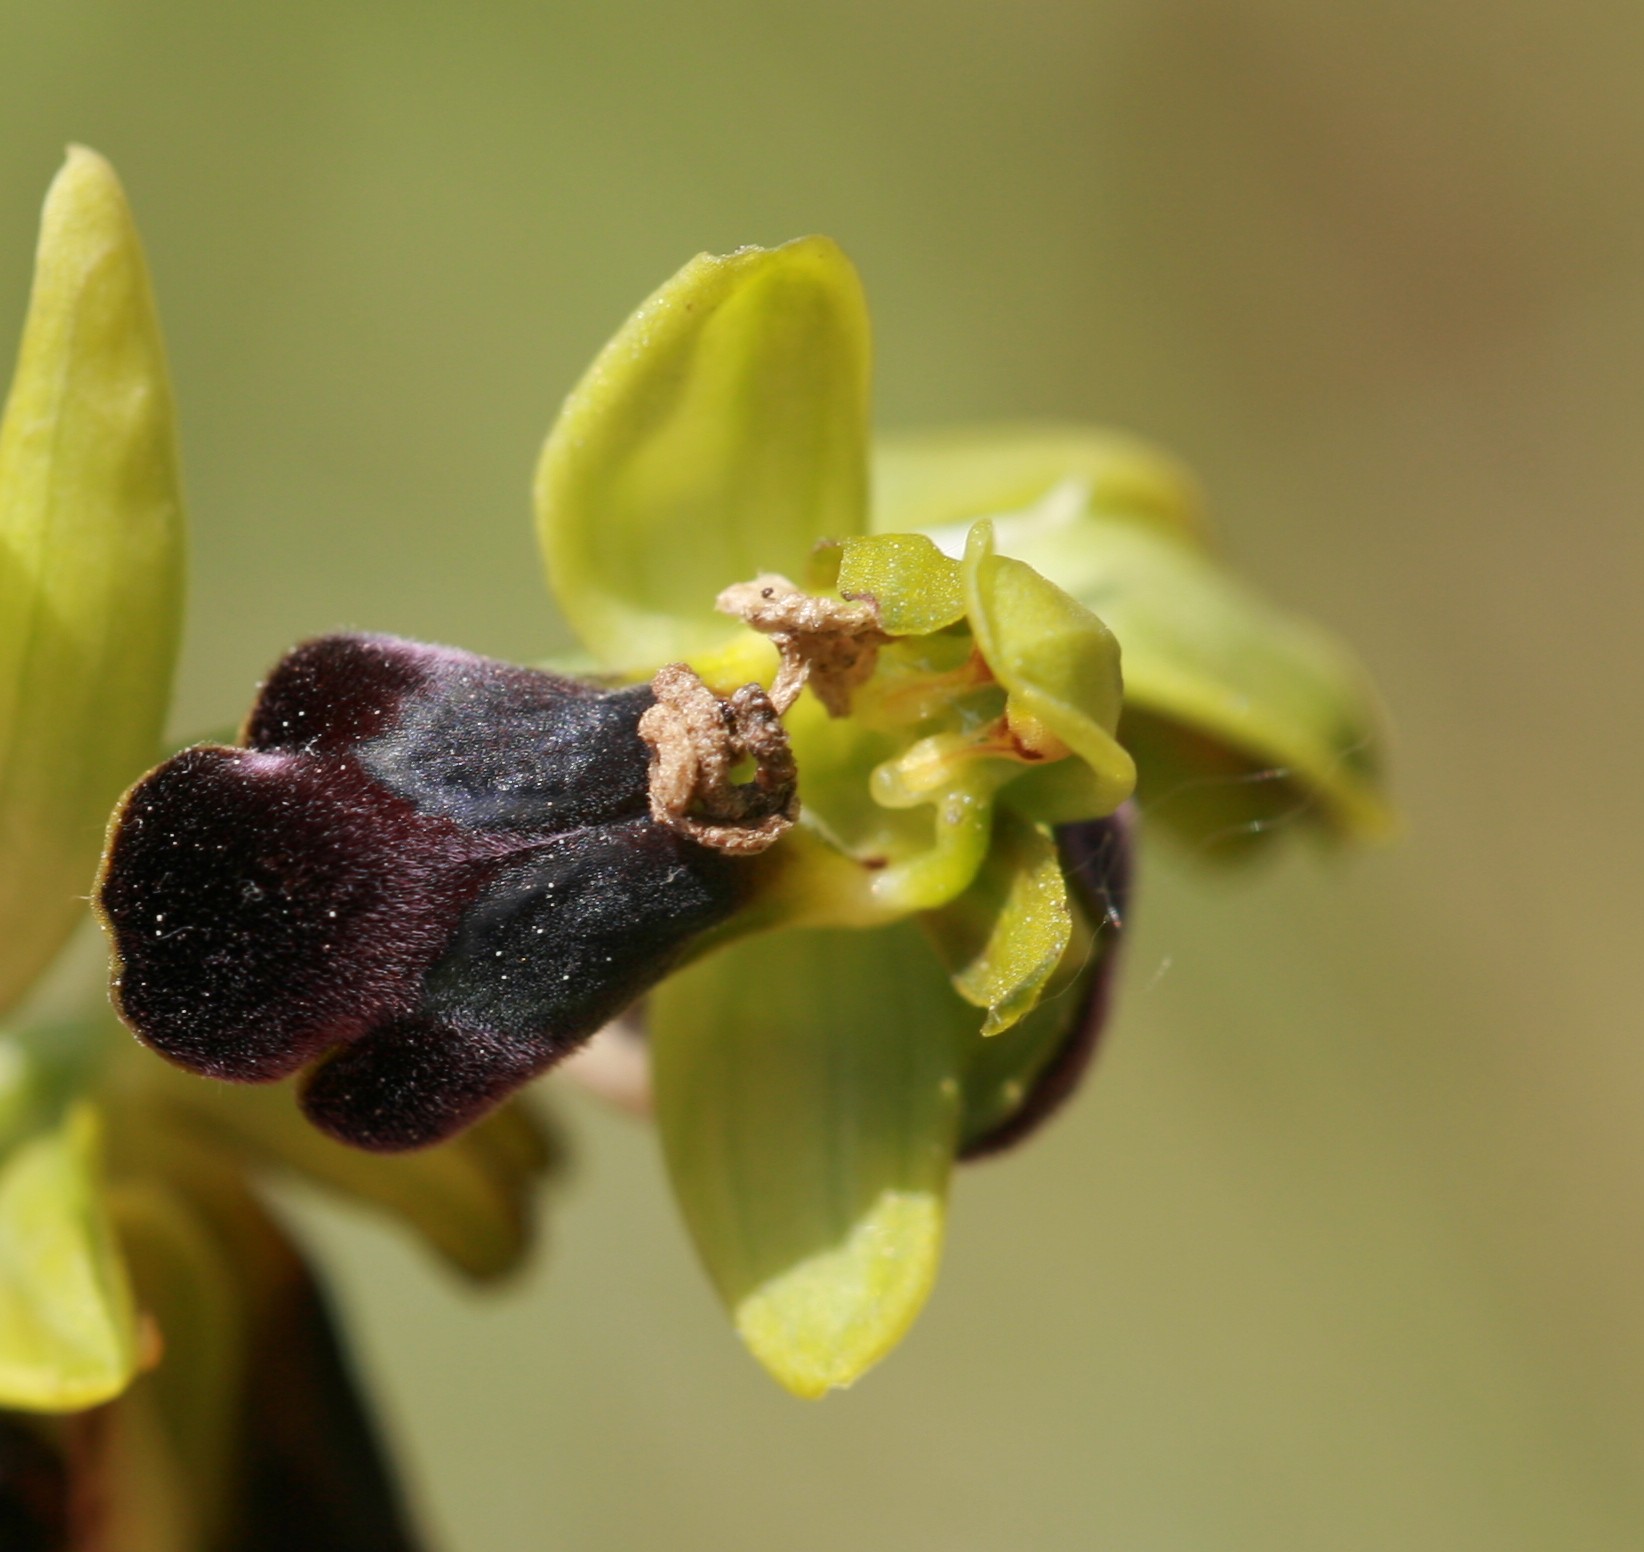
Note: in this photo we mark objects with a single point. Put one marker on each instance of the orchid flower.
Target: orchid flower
(845, 800)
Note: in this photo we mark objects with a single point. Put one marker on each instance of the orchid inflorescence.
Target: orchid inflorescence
(836, 812)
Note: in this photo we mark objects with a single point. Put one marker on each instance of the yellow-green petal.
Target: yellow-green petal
(1005, 936)
(1058, 661)
(721, 433)
(956, 475)
(91, 561)
(67, 1330)
(1014, 1081)
(807, 1088)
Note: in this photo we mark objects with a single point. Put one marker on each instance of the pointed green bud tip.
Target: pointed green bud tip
(91, 560)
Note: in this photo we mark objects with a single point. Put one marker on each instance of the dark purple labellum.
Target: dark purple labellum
(433, 873)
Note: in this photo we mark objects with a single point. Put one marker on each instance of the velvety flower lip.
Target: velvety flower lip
(432, 872)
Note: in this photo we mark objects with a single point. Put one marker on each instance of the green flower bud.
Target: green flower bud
(91, 561)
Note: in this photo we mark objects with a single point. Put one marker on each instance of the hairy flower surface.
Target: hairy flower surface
(435, 871)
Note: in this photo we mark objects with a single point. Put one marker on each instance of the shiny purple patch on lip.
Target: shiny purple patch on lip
(430, 873)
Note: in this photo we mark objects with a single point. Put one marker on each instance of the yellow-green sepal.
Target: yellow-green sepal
(720, 434)
(807, 1092)
(91, 561)
(68, 1335)
(1058, 662)
(956, 475)
(1003, 939)
(1235, 710)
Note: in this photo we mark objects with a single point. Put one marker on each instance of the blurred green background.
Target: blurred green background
(1344, 1248)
